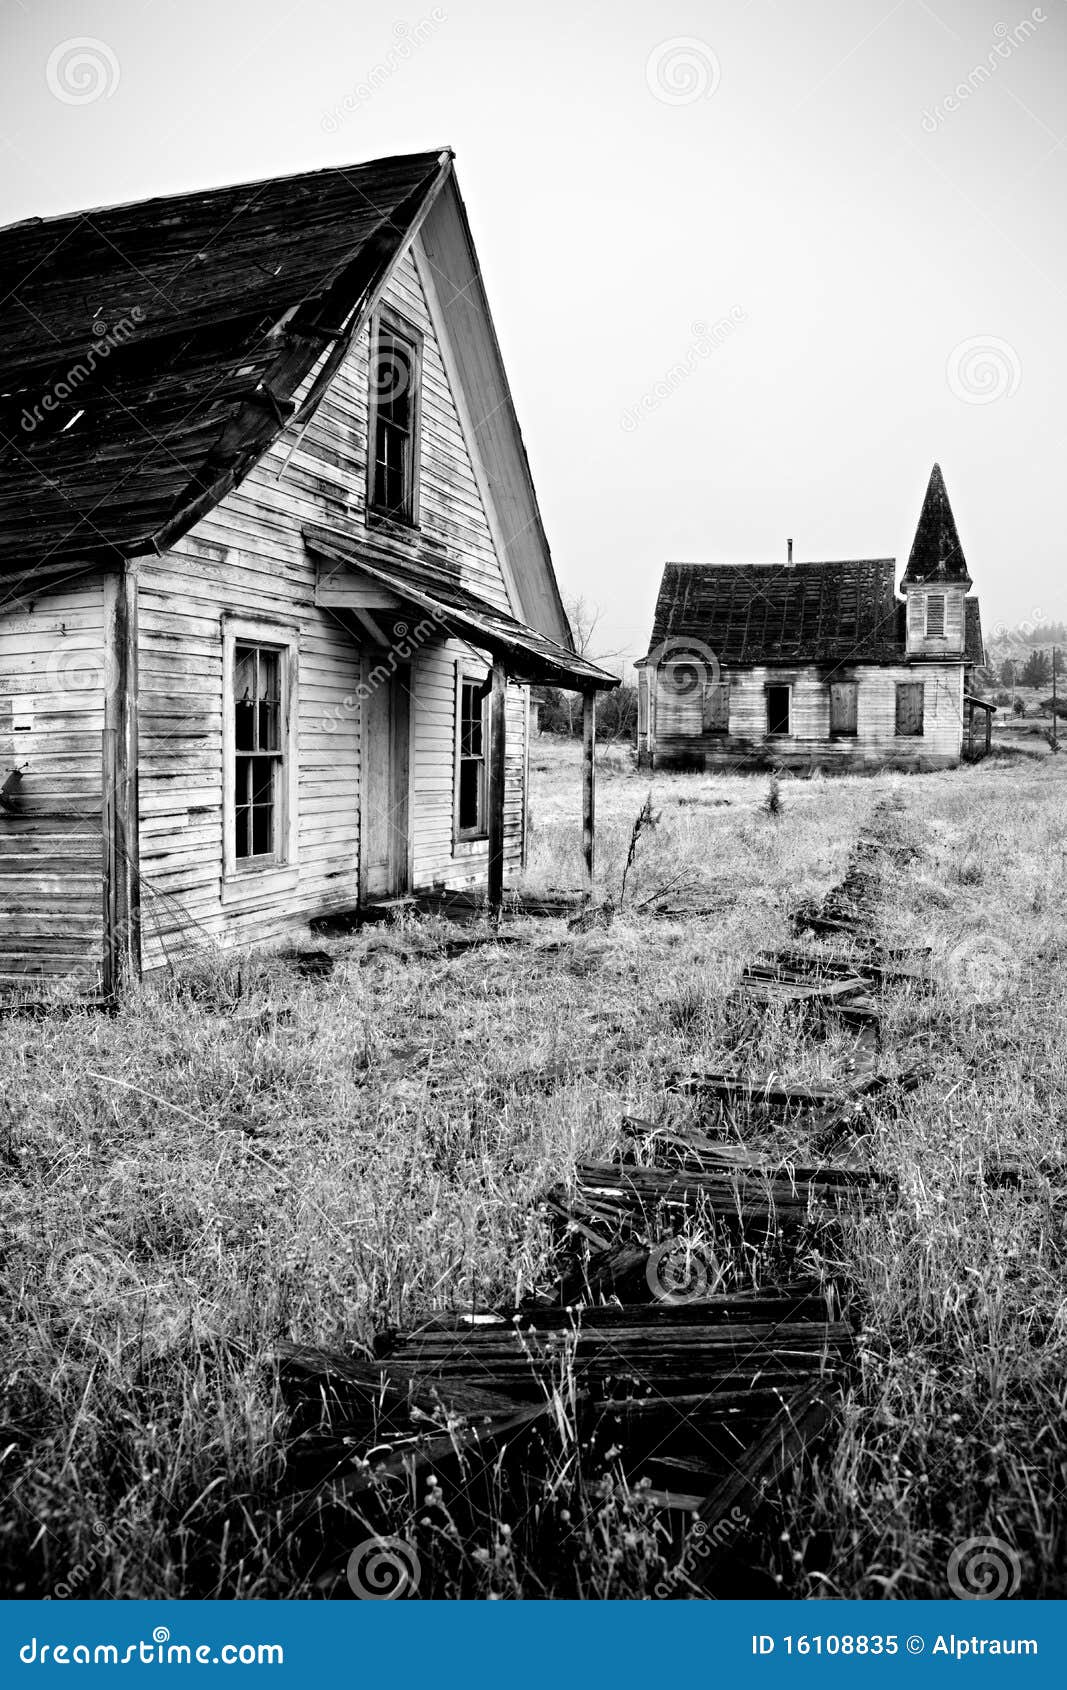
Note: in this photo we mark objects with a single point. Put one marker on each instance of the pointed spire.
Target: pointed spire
(936, 553)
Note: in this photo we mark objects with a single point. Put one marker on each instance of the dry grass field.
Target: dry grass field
(241, 1155)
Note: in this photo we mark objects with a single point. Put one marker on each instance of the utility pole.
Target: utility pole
(1054, 740)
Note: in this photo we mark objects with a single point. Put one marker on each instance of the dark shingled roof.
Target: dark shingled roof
(149, 353)
(936, 553)
(783, 613)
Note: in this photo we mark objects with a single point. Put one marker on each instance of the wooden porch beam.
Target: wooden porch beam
(497, 764)
(589, 785)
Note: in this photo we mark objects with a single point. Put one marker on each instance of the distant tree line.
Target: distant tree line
(1036, 671)
(616, 713)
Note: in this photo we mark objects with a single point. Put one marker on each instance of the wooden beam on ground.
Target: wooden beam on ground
(589, 785)
(727, 1515)
(497, 765)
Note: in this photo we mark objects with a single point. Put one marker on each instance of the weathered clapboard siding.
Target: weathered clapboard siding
(54, 664)
(951, 642)
(247, 558)
(451, 512)
(809, 741)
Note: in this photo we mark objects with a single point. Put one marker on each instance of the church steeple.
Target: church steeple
(935, 582)
(936, 553)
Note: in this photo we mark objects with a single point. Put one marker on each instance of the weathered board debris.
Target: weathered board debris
(711, 1397)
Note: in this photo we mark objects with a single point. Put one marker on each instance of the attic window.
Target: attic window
(394, 407)
(935, 616)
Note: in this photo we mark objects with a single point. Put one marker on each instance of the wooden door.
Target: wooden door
(385, 786)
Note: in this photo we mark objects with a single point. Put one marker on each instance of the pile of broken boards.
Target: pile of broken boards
(641, 1368)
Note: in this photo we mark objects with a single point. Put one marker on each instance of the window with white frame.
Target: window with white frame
(472, 747)
(259, 768)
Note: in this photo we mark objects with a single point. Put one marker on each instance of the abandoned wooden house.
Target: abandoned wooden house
(275, 582)
(817, 664)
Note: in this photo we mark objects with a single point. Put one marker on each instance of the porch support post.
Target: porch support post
(121, 809)
(497, 765)
(589, 786)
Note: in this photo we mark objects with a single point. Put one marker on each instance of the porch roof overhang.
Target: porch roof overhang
(527, 655)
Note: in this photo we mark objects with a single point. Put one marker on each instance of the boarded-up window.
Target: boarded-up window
(679, 700)
(935, 616)
(909, 708)
(717, 707)
(778, 710)
(843, 697)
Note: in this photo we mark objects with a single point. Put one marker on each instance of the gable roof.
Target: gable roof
(936, 553)
(783, 613)
(452, 281)
(150, 353)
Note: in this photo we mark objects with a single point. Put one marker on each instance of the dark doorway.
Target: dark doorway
(777, 710)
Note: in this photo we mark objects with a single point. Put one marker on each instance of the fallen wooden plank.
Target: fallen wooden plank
(770, 1089)
(727, 1515)
(804, 1301)
(723, 1189)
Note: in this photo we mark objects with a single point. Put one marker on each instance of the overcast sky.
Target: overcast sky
(754, 266)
